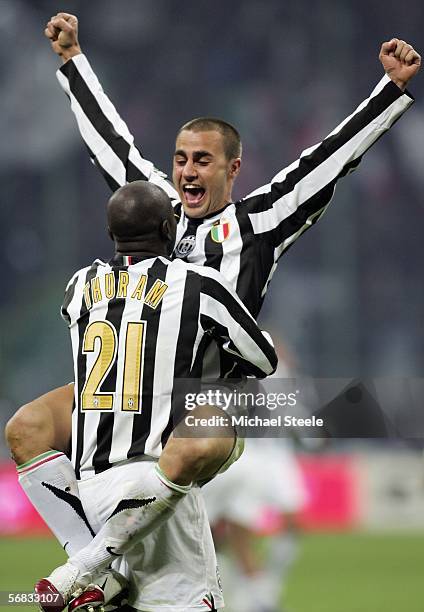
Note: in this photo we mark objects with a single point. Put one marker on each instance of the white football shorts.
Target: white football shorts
(174, 568)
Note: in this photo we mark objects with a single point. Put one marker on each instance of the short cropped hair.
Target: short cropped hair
(232, 142)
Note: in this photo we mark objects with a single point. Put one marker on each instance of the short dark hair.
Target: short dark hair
(137, 210)
(232, 142)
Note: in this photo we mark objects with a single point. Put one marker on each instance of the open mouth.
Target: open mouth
(193, 194)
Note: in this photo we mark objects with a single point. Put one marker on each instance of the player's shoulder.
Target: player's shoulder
(253, 201)
(82, 273)
(202, 272)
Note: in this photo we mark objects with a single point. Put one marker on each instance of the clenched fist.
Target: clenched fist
(62, 31)
(400, 61)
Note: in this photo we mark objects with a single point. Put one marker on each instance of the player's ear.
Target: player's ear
(110, 233)
(235, 167)
(168, 234)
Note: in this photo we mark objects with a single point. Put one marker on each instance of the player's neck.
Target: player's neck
(141, 250)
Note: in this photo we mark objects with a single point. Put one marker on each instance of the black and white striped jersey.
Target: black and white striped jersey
(136, 327)
(246, 238)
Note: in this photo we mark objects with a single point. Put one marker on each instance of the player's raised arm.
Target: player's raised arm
(224, 316)
(299, 194)
(108, 139)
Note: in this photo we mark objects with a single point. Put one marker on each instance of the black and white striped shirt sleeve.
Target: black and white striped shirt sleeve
(227, 320)
(109, 142)
(299, 194)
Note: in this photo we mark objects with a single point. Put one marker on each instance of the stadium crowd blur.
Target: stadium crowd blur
(349, 296)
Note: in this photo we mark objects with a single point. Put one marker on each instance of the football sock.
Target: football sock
(263, 590)
(283, 552)
(144, 506)
(249, 593)
(50, 484)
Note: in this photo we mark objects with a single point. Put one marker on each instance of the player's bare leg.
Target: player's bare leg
(201, 456)
(41, 426)
(242, 541)
(258, 580)
(38, 436)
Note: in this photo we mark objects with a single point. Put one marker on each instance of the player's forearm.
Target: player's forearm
(81, 84)
(106, 135)
(344, 147)
(327, 161)
(223, 315)
(348, 142)
(298, 195)
(255, 347)
(257, 354)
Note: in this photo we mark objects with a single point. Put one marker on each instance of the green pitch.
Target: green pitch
(335, 572)
(358, 573)
(22, 563)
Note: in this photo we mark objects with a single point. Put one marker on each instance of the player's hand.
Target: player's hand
(400, 61)
(62, 31)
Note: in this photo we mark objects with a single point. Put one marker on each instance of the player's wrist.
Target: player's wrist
(70, 52)
(401, 84)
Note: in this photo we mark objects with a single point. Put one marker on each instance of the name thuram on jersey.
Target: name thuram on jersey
(106, 288)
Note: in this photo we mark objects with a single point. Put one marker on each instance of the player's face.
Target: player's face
(202, 173)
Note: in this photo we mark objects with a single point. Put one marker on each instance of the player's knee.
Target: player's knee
(186, 460)
(17, 428)
(27, 433)
(176, 461)
(198, 452)
(207, 455)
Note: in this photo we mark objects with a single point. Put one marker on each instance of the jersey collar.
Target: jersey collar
(129, 260)
(200, 220)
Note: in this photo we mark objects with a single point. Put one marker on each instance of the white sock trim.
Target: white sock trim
(171, 485)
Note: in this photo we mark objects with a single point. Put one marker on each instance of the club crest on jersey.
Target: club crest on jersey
(185, 246)
(220, 230)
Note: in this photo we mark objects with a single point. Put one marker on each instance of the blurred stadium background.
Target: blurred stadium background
(348, 299)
